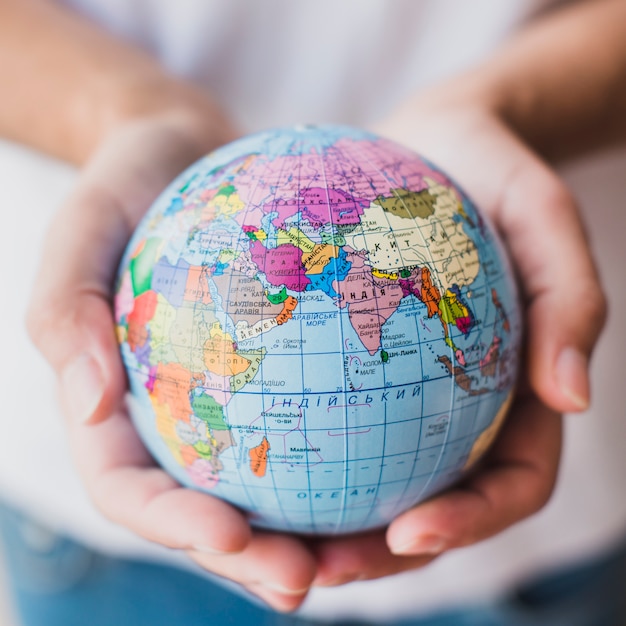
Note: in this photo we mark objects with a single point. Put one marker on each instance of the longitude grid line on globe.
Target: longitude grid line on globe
(300, 320)
(344, 491)
(372, 504)
(226, 411)
(276, 491)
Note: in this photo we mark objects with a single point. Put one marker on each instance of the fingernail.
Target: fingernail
(426, 544)
(209, 550)
(571, 374)
(83, 387)
(280, 589)
(342, 579)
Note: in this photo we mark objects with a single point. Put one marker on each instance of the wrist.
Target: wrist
(155, 98)
(73, 84)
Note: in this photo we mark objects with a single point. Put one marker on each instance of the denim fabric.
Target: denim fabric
(58, 582)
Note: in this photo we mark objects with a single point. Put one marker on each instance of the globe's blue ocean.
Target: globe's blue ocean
(319, 327)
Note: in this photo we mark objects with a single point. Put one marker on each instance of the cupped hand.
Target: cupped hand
(564, 309)
(71, 322)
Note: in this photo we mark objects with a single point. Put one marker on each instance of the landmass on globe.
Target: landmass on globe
(318, 326)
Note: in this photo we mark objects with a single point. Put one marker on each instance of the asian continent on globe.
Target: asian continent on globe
(319, 327)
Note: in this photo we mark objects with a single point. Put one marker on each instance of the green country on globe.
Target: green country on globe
(319, 327)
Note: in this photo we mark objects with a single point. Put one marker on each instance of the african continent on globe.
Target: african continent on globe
(319, 327)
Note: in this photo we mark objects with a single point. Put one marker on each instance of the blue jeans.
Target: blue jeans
(58, 582)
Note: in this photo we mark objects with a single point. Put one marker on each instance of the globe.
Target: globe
(319, 327)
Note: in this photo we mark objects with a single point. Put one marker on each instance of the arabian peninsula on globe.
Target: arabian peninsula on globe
(318, 327)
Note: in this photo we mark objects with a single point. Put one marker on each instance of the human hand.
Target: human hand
(71, 322)
(564, 312)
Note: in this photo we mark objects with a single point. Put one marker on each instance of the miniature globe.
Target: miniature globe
(318, 327)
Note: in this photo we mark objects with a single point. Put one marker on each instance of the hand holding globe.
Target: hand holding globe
(129, 489)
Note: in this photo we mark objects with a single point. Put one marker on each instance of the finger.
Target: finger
(566, 307)
(541, 225)
(128, 489)
(360, 557)
(516, 480)
(540, 222)
(69, 315)
(277, 568)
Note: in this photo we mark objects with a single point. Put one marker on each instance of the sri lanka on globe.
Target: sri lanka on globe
(318, 327)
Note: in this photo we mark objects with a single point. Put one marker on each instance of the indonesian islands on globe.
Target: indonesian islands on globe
(318, 327)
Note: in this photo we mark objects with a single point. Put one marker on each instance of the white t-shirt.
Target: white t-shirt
(273, 63)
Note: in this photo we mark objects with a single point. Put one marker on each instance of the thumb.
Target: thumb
(565, 307)
(565, 304)
(69, 316)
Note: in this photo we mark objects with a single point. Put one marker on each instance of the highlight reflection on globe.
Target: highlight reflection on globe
(319, 327)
